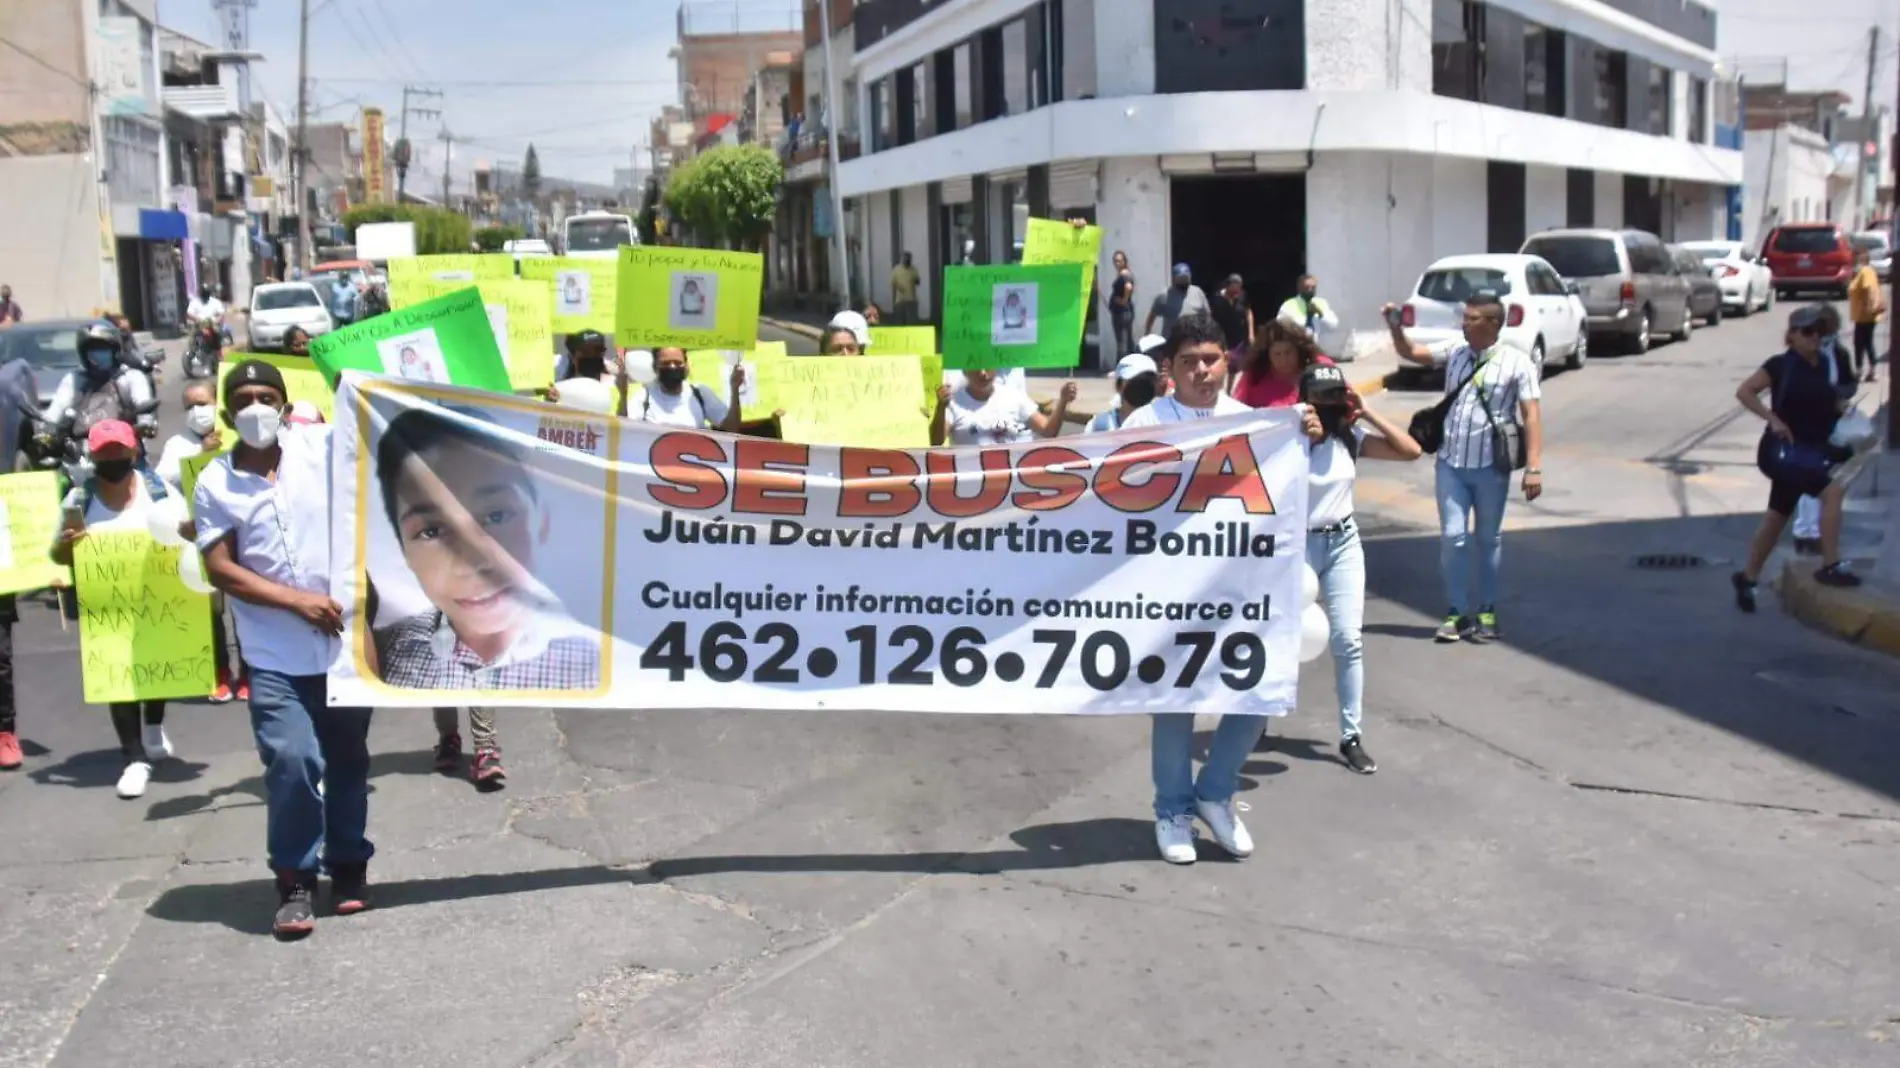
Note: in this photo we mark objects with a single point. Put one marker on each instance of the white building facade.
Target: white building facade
(1357, 140)
(1794, 175)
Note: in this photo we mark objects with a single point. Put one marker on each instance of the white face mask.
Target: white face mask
(200, 418)
(257, 425)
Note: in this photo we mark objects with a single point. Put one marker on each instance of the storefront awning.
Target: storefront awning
(162, 225)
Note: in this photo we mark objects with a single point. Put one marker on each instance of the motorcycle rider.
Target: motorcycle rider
(129, 353)
(101, 389)
(206, 305)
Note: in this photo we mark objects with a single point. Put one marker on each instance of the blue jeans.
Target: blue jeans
(304, 742)
(1176, 788)
(1463, 491)
(1340, 562)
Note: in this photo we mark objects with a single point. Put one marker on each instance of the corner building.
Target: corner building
(1355, 139)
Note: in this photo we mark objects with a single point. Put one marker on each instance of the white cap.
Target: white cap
(1135, 364)
(854, 322)
(1149, 343)
(587, 394)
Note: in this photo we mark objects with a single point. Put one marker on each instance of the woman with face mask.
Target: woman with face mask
(119, 496)
(1137, 383)
(984, 411)
(673, 401)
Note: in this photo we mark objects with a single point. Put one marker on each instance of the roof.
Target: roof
(1485, 259)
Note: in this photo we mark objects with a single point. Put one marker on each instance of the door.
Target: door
(1559, 312)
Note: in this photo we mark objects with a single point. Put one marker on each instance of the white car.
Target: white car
(1541, 315)
(278, 306)
(1879, 253)
(1746, 282)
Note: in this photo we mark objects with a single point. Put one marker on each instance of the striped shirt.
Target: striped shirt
(423, 653)
(1505, 378)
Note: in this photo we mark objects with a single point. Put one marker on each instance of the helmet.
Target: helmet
(98, 334)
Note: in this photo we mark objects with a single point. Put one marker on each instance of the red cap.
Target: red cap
(111, 432)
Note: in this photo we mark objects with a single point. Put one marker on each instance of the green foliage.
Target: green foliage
(728, 195)
(438, 230)
(649, 212)
(531, 173)
(491, 238)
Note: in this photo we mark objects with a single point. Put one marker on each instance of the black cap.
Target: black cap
(1323, 384)
(254, 373)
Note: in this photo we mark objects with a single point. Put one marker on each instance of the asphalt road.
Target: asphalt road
(1643, 830)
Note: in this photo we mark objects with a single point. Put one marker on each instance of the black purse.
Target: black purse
(1428, 424)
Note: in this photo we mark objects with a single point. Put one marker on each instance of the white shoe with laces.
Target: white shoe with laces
(1175, 836)
(157, 745)
(1228, 830)
(133, 779)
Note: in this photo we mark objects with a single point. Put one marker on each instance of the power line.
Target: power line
(395, 34)
(68, 75)
(487, 83)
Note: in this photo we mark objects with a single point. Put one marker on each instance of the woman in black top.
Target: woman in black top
(1805, 398)
(1121, 306)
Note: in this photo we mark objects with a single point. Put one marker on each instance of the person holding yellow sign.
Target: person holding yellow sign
(119, 496)
(987, 412)
(672, 401)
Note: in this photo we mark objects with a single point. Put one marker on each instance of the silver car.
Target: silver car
(1628, 280)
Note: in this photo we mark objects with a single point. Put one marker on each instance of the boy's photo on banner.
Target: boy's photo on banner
(469, 518)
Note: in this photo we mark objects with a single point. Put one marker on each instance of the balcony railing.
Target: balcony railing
(203, 102)
(810, 144)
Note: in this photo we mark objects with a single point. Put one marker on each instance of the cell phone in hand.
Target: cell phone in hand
(1395, 316)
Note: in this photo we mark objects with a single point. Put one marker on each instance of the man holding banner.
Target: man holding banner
(263, 524)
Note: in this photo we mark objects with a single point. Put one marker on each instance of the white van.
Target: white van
(597, 235)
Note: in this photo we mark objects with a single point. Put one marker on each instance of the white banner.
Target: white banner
(497, 551)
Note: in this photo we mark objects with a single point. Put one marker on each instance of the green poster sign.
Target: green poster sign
(996, 317)
(446, 340)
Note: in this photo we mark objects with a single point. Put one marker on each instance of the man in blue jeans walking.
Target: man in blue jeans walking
(263, 524)
(1495, 394)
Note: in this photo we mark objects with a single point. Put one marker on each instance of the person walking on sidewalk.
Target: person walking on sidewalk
(263, 524)
(904, 281)
(1866, 307)
(1121, 305)
(1840, 371)
(1795, 452)
(1175, 303)
(485, 771)
(1494, 425)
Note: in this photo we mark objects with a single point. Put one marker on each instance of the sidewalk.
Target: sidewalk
(1870, 539)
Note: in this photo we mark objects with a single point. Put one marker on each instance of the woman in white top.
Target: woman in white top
(119, 496)
(1333, 549)
(985, 412)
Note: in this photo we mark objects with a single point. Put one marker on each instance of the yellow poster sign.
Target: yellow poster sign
(520, 313)
(689, 298)
(144, 635)
(584, 292)
(869, 401)
(903, 340)
(467, 267)
(30, 514)
(373, 157)
(709, 369)
(301, 379)
(1051, 242)
(190, 470)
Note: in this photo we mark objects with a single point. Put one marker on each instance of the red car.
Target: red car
(1809, 256)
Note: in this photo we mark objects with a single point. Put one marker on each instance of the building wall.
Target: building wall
(916, 226)
(1368, 44)
(52, 90)
(53, 248)
(1133, 214)
(1545, 198)
(1609, 206)
(1785, 179)
(720, 66)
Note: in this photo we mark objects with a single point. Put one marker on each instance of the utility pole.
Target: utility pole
(1893, 302)
(1861, 214)
(448, 157)
(834, 123)
(301, 157)
(402, 133)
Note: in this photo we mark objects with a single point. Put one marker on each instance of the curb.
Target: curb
(801, 329)
(1867, 616)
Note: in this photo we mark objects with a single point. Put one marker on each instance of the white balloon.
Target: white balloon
(1315, 631)
(639, 365)
(191, 571)
(164, 518)
(1309, 585)
(588, 394)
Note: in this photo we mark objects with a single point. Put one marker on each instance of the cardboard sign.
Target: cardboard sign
(583, 293)
(869, 401)
(903, 340)
(144, 634)
(998, 317)
(447, 340)
(30, 516)
(689, 298)
(1052, 242)
(462, 268)
(758, 398)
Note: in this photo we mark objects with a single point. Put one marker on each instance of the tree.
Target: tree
(438, 230)
(649, 212)
(531, 174)
(728, 195)
(492, 238)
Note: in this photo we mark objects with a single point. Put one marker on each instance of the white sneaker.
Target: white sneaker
(133, 779)
(1175, 836)
(157, 745)
(1228, 830)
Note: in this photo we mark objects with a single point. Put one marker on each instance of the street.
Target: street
(1644, 829)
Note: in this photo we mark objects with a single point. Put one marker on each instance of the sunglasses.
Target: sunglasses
(1808, 331)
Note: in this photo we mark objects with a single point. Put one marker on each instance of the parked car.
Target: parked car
(1541, 314)
(1628, 281)
(1809, 257)
(1705, 293)
(278, 306)
(1879, 252)
(1746, 283)
(357, 271)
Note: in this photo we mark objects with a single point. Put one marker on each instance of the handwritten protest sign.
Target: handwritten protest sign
(445, 340)
(690, 298)
(1051, 242)
(30, 516)
(462, 268)
(583, 292)
(918, 341)
(190, 470)
(869, 401)
(521, 314)
(143, 634)
(758, 398)
(996, 317)
(301, 378)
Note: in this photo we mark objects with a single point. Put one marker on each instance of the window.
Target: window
(1807, 238)
(1543, 281)
(1503, 59)
(1457, 29)
(1580, 198)
(1455, 285)
(1015, 67)
(883, 116)
(1659, 79)
(1036, 53)
(1543, 70)
(1206, 46)
(904, 105)
(1576, 256)
(1610, 88)
(966, 85)
(1504, 205)
(920, 101)
(1699, 111)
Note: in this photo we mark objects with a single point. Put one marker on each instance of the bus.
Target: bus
(597, 235)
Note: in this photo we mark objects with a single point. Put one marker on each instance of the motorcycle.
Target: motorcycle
(144, 362)
(204, 350)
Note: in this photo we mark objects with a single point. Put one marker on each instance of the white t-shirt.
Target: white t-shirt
(178, 448)
(1105, 421)
(1014, 378)
(1003, 419)
(100, 518)
(1169, 410)
(693, 406)
(1329, 481)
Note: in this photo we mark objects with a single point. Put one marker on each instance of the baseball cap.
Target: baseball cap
(854, 322)
(111, 432)
(1235, 280)
(253, 373)
(1150, 343)
(1134, 364)
(1806, 315)
(589, 337)
(1323, 384)
(1181, 270)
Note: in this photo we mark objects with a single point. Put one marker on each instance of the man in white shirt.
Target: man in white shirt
(205, 305)
(1496, 397)
(263, 524)
(673, 401)
(200, 434)
(1197, 361)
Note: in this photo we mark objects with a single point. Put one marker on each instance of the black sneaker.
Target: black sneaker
(1353, 751)
(1744, 591)
(1488, 624)
(349, 888)
(1838, 576)
(1452, 629)
(295, 917)
(448, 753)
(1807, 546)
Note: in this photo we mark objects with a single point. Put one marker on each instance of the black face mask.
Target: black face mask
(590, 367)
(1139, 391)
(1332, 420)
(112, 470)
(672, 378)
(1309, 294)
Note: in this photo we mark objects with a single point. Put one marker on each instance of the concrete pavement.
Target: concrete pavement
(1643, 830)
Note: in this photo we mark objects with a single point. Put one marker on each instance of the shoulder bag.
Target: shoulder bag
(1507, 439)
(1789, 459)
(1428, 424)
